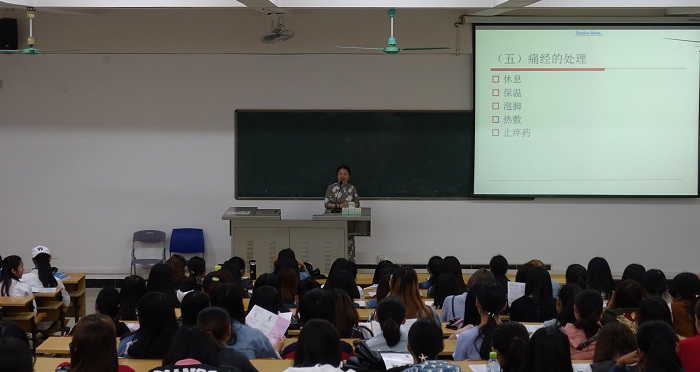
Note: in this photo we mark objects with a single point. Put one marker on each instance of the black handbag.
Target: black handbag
(365, 359)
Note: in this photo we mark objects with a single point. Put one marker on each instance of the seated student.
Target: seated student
(634, 272)
(246, 282)
(689, 348)
(499, 267)
(404, 285)
(655, 284)
(576, 274)
(474, 343)
(15, 352)
(382, 289)
(107, 303)
(192, 304)
(15, 355)
(215, 279)
(623, 306)
(318, 348)
(178, 266)
(346, 319)
(287, 283)
(657, 344)
(588, 309)
(600, 278)
(192, 350)
(196, 269)
(10, 285)
(247, 340)
(548, 350)
(444, 285)
(92, 347)
(133, 288)
(317, 304)
(234, 270)
(537, 305)
(555, 286)
(452, 266)
(42, 274)
(614, 340)
(216, 321)
(390, 315)
(160, 279)
(379, 271)
(463, 305)
(685, 289)
(434, 269)
(654, 308)
(509, 340)
(287, 254)
(157, 326)
(565, 306)
(345, 282)
(268, 298)
(425, 342)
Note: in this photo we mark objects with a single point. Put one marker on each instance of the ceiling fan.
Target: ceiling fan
(277, 34)
(391, 48)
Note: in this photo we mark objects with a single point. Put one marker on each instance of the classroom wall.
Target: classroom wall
(96, 146)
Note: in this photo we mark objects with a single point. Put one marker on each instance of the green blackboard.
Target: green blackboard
(392, 154)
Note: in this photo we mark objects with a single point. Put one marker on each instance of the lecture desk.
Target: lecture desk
(51, 303)
(75, 285)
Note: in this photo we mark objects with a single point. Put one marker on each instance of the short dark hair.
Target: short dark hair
(614, 339)
(15, 355)
(498, 265)
(425, 339)
(10, 329)
(634, 272)
(215, 320)
(108, 301)
(196, 266)
(654, 282)
(654, 308)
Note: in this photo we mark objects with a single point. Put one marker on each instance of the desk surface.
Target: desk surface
(15, 301)
(53, 294)
(73, 278)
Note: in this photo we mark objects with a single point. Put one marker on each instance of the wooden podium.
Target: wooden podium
(259, 234)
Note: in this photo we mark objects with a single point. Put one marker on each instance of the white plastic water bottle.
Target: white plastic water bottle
(492, 365)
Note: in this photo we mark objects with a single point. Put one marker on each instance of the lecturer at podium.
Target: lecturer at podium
(338, 195)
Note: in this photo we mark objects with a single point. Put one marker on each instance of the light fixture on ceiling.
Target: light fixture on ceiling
(277, 34)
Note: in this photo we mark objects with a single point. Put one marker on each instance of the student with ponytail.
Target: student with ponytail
(475, 343)
(42, 274)
(509, 340)
(12, 272)
(391, 314)
(657, 344)
(588, 309)
(216, 321)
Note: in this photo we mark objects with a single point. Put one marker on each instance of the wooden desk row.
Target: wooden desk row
(365, 279)
(44, 364)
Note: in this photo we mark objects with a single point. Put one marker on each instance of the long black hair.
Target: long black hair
(156, 313)
(567, 296)
(42, 261)
(194, 343)
(599, 277)
(548, 350)
(492, 299)
(319, 343)
(589, 305)
(8, 264)
(133, 288)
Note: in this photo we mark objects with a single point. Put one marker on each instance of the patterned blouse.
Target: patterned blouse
(337, 195)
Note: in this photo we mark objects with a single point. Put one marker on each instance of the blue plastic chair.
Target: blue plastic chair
(187, 240)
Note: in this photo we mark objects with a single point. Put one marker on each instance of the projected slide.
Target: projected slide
(586, 110)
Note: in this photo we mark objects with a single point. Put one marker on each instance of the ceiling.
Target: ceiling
(553, 8)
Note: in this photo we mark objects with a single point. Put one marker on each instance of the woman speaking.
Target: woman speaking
(338, 196)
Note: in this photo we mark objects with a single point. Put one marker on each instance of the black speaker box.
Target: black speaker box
(8, 34)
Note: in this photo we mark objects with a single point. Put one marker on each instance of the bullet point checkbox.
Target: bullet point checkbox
(495, 132)
(495, 119)
(495, 106)
(495, 79)
(495, 92)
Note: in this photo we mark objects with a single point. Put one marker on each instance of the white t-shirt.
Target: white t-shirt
(32, 279)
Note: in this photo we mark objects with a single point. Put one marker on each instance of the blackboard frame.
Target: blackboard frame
(438, 146)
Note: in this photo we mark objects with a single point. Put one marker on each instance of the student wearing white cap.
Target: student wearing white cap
(42, 277)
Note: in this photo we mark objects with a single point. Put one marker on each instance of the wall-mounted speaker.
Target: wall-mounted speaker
(8, 34)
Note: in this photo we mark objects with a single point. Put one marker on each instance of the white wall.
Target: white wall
(96, 146)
